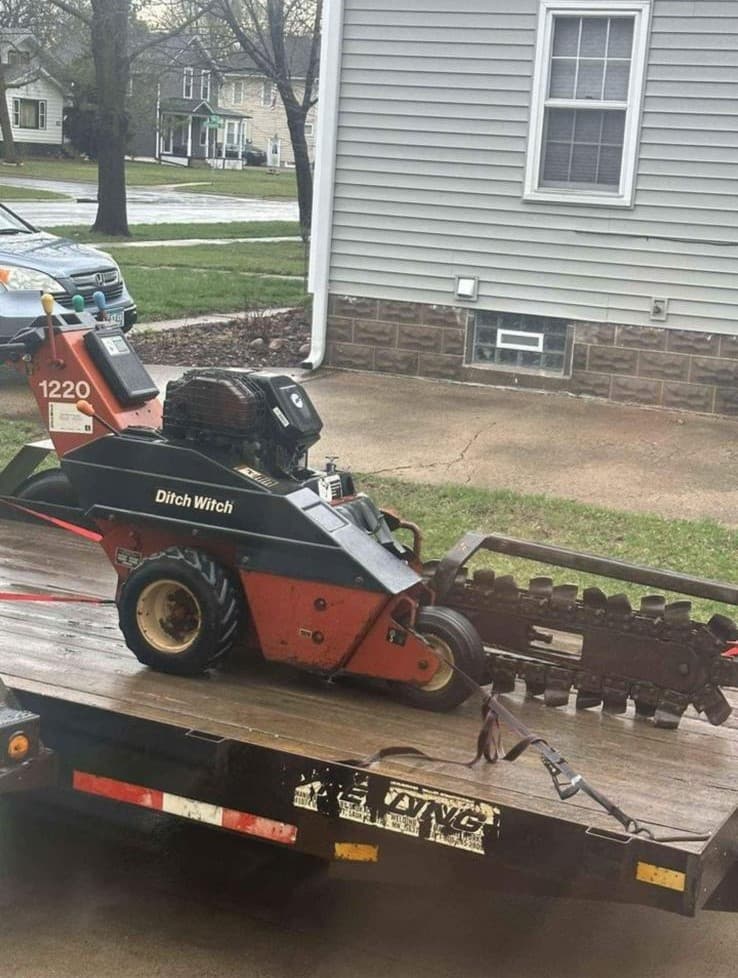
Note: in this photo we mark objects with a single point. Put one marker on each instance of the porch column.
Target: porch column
(189, 137)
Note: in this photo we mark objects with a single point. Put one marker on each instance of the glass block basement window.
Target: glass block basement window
(516, 342)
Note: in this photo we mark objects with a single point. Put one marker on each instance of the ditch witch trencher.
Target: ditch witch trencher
(219, 530)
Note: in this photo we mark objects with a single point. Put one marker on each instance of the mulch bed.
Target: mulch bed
(281, 340)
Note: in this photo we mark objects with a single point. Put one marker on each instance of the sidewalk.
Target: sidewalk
(631, 458)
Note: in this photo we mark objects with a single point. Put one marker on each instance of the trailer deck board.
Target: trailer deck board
(677, 781)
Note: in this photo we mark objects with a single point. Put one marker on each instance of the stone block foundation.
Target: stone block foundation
(671, 368)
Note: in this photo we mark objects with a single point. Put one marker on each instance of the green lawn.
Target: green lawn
(267, 258)
(9, 192)
(195, 280)
(169, 293)
(704, 548)
(175, 232)
(252, 182)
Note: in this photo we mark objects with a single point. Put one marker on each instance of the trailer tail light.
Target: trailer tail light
(190, 808)
(19, 746)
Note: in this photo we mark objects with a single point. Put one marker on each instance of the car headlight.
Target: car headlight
(15, 277)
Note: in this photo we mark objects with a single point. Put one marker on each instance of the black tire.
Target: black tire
(451, 635)
(179, 612)
(49, 486)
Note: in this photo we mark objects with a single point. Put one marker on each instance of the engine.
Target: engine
(267, 422)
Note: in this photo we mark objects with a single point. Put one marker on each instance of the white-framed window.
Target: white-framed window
(238, 91)
(268, 94)
(231, 131)
(308, 129)
(187, 77)
(204, 133)
(205, 85)
(29, 113)
(587, 89)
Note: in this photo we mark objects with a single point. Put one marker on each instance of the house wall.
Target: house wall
(41, 88)
(431, 149)
(266, 121)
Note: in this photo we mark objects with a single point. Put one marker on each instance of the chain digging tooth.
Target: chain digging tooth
(722, 628)
(678, 613)
(670, 708)
(710, 701)
(594, 599)
(484, 577)
(502, 675)
(614, 695)
(564, 596)
(535, 679)
(653, 605)
(587, 700)
(646, 698)
(558, 684)
(541, 587)
(618, 606)
(506, 588)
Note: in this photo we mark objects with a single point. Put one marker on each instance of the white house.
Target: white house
(35, 98)
(540, 194)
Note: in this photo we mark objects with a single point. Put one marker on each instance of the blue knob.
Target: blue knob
(99, 299)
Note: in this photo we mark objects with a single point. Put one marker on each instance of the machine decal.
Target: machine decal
(64, 416)
(260, 477)
(128, 558)
(210, 504)
(398, 806)
(66, 390)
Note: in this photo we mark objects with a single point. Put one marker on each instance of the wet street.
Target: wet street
(149, 205)
(109, 892)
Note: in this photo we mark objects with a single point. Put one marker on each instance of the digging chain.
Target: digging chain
(657, 655)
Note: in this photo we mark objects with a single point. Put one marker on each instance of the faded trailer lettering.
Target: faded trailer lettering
(448, 820)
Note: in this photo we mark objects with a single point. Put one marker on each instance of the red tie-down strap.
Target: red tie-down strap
(58, 598)
(731, 653)
(80, 531)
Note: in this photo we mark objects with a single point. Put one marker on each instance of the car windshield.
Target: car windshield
(10, 223)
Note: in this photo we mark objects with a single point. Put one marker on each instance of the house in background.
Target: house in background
(35, 97)
(175, 111)
(540, 195)
(246, 90)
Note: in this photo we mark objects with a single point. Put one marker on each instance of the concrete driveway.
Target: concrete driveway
(148, 205)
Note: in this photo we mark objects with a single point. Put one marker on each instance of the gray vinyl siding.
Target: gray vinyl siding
(432, 133)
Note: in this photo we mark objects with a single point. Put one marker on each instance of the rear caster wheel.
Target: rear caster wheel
(179, 612)
(455, 641)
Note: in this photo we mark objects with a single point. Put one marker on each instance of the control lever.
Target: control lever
(48, 301)
(84, 407)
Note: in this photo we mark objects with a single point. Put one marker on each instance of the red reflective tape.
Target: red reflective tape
(62, 524)
(263, 828)
(132, 794)
(190, 808)
(731, 653)
(63, 598)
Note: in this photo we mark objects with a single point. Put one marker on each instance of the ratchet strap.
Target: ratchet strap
(566, 780)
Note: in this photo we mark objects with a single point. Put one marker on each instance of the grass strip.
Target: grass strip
(179, 232)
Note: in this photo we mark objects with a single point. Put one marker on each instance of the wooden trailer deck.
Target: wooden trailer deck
(683, 781)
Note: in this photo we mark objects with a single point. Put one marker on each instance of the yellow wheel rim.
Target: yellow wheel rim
(444, 673)
(169, 616)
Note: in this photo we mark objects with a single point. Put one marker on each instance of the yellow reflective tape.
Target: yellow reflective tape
(356, 852)
(670, 879)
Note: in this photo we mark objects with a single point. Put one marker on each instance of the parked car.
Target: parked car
(34, 261)
(253, 156)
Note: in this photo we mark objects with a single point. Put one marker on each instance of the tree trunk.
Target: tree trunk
(303, 167)
(10, 153)
(110, 53)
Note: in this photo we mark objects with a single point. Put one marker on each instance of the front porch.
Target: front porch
(199, 135)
